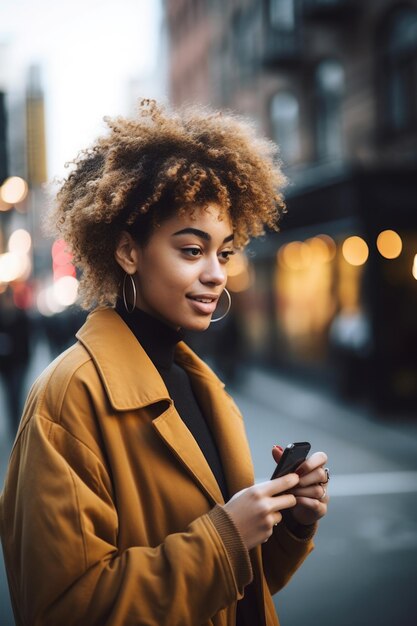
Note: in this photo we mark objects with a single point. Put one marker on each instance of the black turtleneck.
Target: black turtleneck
(159, 341)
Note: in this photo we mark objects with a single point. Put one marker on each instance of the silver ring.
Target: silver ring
(324, 492)
(327, 472)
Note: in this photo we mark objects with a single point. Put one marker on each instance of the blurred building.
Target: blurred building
(21, 193)
(334, 83)
(3, 139)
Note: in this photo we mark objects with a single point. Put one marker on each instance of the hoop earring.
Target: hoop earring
(132, 282)
(229, 304)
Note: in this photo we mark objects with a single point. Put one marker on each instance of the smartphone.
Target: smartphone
(293, 455)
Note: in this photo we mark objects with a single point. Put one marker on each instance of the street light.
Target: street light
(13, 191)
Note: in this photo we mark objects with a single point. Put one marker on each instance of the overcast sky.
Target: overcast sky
(89, 50)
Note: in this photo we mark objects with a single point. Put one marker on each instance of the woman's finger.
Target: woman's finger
(279, 485)
(277, 453)
(315, 461)
(279, 503)
(316, 491)
(313, 503)
(316, 476)
(320, 506)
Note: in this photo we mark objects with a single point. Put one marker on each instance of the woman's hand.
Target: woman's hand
(257, 509)
(311, 491)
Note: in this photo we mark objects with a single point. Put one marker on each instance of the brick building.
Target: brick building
(334, 82)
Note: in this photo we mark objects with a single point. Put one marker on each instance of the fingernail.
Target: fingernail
(279, 448)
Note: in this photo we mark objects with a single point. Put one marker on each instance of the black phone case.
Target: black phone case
(292, 457)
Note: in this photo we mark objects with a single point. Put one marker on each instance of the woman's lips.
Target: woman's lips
(207, 306)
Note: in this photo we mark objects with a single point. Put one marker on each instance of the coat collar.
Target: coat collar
(121, 361)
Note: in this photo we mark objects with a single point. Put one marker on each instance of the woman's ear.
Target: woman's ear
(127, 253)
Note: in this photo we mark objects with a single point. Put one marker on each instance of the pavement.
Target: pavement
(364, 566)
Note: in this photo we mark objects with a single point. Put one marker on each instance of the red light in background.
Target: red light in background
(23, 295)
(61, 260)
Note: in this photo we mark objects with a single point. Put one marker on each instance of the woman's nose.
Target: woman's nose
(213, 273)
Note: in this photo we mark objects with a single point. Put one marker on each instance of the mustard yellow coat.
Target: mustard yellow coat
(106, 514)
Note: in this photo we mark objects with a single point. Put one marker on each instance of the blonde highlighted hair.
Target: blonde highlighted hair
(155, 165)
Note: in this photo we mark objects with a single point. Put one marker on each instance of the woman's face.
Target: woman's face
(181, 271)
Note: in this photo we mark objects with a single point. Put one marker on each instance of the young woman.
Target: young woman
(129, 498)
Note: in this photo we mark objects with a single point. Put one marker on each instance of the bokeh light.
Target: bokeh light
(66, 290)
(14, 190)
(14, 267)
(322, 248)
(295, 255)
(330, 243)
(4, 206)
(61, 260)
(20, 241)
(237, 264)
(299, 255)
(355, 250)
(389, 244)
(239, 276)
(47, 303)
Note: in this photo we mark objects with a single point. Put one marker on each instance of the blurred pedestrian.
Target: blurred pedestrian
(60, 328)
(14, 355)
(135, 501)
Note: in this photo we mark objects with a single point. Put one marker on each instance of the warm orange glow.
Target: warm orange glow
(14, 190)
(298, 255)
(348, 284)
(355, 250)
(319, 249)
(239, 276)
(241, 282)
(4, 206)
(237, 264)
(295, 255)
(331, 245)
(389, 244)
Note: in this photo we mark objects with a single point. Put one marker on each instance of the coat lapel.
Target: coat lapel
(224, 419)
(128, 375)
(179, 439)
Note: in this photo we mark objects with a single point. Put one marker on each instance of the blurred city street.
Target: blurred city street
(320, 332)
(364, 568)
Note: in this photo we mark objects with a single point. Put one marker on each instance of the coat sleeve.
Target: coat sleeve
(282, 555)
(59, 529)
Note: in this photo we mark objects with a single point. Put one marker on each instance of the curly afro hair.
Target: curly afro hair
(150, 167)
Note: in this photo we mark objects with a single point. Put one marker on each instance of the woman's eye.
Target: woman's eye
(226, 254)
(194, 252)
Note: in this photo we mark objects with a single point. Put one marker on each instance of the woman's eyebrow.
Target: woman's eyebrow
(200, 233)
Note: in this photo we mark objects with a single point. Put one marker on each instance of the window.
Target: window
(399, 69)
(329, 88)
(285, 122)
(246, 42)
(282, 14)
